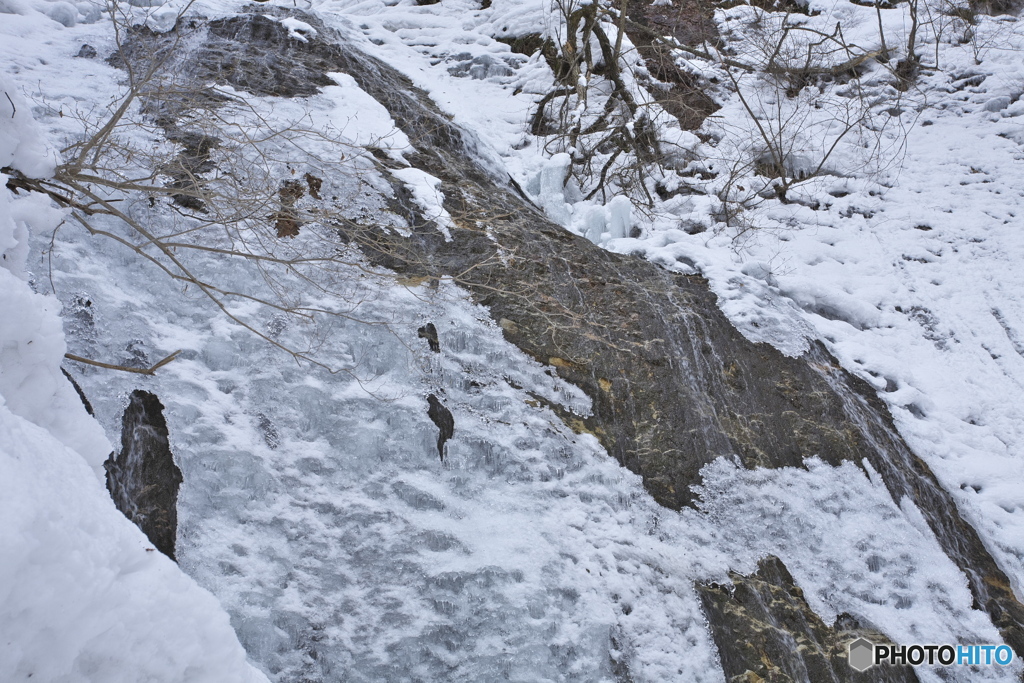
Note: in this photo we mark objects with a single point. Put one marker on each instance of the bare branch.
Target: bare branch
(124, 368)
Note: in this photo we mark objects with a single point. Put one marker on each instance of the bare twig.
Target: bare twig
(123, 368)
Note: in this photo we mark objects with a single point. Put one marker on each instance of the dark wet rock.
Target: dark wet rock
(286, 218)
(527, 44)
(674, 385)
(765, 631)
(429, 332)
(442, 417)
(313, 184)
(276, 64)
(271, 64)
(189, 165)
(143, 479)
(654, 28)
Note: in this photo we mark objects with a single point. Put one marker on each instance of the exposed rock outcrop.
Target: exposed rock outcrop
(765, 631)
(429, 332)
(143, 479)
(443, 418)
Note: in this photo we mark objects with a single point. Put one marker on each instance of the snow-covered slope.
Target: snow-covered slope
(315, 506)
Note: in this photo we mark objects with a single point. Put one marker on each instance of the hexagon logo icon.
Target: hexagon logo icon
(862, 654)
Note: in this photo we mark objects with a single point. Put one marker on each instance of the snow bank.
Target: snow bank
(82, 595)
(21, 145)
(31, 339)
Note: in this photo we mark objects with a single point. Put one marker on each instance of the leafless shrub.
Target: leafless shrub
(201, 181)
(595, 111)
(803, 99)
(265, 212)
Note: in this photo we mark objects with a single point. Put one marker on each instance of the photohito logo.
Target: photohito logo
(864, 654)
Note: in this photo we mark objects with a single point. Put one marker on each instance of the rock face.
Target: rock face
(765, 631)
(442, 417)
(674, 385)
(690, 22)
(429, 332)
(143, 479)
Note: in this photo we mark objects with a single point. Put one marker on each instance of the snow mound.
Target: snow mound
(83, 597)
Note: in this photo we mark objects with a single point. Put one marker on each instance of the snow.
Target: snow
(323, 518)
(299, 30)
(426, 192)
(84, 596)
(22, 145)
(363, 119)
(33, 342)
(315, 506)
(896, 286)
